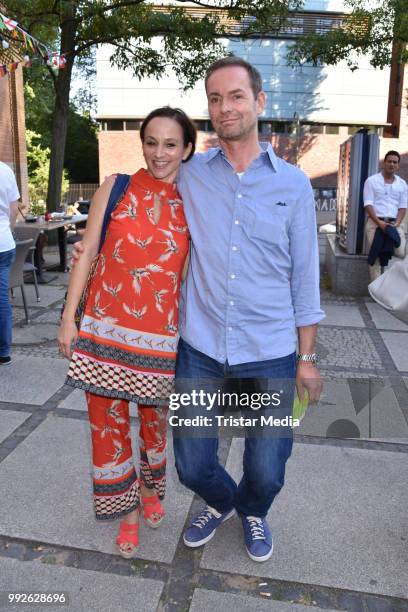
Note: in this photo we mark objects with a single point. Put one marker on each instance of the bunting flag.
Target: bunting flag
(30, 43)
(9, 23)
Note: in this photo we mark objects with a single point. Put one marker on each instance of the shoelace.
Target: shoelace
(204, 517)
(256, 527)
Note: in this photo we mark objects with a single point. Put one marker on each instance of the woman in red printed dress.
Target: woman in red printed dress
(126, 347)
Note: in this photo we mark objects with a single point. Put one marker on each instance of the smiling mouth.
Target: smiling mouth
(160, 164)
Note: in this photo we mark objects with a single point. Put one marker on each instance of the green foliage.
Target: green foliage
(372, 30)
(81, 149)
(38, 159)
(132, 27)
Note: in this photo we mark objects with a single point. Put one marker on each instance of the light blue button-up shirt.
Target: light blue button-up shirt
(254, 270)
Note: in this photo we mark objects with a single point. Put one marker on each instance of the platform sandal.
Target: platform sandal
(151, 506)
(128, 534)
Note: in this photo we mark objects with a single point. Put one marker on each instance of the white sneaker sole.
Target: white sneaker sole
(260, 559)
(209, 537)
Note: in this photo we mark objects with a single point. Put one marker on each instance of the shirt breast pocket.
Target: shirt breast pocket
(271, 226)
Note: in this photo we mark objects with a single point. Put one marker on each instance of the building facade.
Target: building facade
(12, 125)
(310, 110)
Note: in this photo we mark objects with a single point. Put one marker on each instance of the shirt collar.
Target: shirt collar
(267, 150)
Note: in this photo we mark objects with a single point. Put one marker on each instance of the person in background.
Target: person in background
(385, 199)
(9, 196)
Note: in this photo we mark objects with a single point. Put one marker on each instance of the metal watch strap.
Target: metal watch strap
(307, 357)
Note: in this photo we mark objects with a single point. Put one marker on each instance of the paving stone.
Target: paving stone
(345, 315)
(356, 409)
(397, 344)
(48, 294)
(341, 512)
(19, 314)
(76, 401)
(35, 333)
(384, 319)
(31, 381)
(348, 348)
(52, 469)
(50, 350)
(87, 590)
(50, 316)
(204, 600)
(9, 421)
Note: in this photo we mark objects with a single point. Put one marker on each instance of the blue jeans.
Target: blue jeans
(6, 316)
(265, 456)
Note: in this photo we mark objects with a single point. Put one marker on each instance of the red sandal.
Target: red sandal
(152, 505)
(128, 534)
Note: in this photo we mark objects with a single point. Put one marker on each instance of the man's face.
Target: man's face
(231, 104)
(391, 164)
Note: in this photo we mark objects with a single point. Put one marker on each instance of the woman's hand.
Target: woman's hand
(67, 335)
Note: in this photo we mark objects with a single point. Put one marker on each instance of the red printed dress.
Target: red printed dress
(128, 338)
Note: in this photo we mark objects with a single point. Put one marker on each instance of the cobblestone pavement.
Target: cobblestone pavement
(48, 540)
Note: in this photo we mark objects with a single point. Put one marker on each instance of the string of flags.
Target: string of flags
(12, 29)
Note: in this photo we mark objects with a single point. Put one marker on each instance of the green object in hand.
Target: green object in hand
(300, 407)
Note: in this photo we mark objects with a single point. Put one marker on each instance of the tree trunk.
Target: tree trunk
(60, 116)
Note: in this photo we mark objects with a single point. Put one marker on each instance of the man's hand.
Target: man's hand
(308, 378)
(77, 250)
(382, 225)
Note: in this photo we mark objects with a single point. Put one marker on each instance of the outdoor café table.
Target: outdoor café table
(59, 225)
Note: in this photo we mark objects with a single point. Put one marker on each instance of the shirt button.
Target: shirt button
(240, 195)
(236, 222)
(231, 303)
(232, 275)
(234, 248)
(230, 329)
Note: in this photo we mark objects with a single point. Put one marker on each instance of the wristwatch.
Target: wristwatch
(308, 357)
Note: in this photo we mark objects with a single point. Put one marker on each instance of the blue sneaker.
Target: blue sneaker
(204, 525)
(258, 538)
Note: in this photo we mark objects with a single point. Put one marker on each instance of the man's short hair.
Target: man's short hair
(389, 153)
(254, 76)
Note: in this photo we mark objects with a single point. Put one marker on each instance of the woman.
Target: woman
(9, 195)
(126, 347)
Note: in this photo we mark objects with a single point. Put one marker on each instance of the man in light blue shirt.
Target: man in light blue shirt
(250, 297)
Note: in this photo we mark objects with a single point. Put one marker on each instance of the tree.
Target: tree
(38, 160)
(81, 148)
(189, 42)
(378, 30)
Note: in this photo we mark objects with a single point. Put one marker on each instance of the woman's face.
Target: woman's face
(163, 148)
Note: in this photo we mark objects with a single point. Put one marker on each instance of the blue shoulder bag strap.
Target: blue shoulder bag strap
(119, 187)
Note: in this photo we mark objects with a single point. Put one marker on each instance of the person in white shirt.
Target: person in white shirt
(9, 195)
(385, 199)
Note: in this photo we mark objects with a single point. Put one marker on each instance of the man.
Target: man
(253, 279)
(9, 195)
(385, 199)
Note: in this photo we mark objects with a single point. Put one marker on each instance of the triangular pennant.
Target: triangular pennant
(9, 23)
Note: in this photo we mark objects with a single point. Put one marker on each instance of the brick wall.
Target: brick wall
(12, 129)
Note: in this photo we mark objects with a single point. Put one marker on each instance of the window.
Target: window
(114, 125)
(204, 125)
(331, 129)
(132, 124)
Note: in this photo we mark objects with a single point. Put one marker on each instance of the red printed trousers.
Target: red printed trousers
(116, 484)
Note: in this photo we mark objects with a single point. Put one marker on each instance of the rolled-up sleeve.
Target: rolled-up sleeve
(304, 252)
(368, 192)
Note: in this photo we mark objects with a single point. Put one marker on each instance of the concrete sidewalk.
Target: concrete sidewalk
(340, 524)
